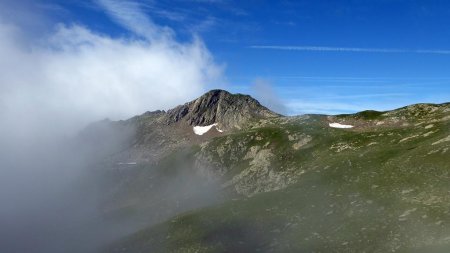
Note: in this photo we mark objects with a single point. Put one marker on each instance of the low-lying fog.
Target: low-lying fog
(53, 191)
(56, 78)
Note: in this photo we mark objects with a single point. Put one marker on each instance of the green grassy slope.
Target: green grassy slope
(298, 185)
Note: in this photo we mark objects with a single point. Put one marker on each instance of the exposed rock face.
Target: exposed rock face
(158, 133)
(219, 106)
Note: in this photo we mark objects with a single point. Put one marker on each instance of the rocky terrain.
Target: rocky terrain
(257, 181)
(158, 133)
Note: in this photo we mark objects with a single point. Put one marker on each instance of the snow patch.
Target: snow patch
(201, 130)
(339, 125)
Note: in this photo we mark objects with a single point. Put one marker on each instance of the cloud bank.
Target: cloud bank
(54, 83)
(78, 75)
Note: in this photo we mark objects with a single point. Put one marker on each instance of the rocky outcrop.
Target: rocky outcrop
(219, 106)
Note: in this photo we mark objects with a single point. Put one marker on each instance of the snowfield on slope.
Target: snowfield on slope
(200, 130)
(339, 125)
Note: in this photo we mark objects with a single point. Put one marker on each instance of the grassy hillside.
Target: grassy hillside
(294, 184)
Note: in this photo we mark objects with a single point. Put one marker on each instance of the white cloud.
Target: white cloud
(130, 15)
(263, 91)
(75, 75)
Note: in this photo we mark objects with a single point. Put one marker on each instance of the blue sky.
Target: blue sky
(335, 56)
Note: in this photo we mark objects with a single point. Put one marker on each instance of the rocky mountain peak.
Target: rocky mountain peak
(219, 106)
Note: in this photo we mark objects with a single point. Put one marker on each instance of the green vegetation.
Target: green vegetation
(365, 115)
(293, 184)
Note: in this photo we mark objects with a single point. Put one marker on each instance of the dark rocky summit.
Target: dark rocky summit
(219, 106)
(157, 133)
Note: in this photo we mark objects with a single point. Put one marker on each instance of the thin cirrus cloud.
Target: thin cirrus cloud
(342, 104)
(130, 15)
(297, 106)
(355, 96)
(350, 49)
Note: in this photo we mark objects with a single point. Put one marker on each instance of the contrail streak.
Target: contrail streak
(350, 49)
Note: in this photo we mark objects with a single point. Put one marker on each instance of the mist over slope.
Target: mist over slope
(255, 181)
(57, 76)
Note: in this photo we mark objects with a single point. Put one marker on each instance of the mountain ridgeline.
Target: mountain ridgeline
(223, 173)
(221, 107)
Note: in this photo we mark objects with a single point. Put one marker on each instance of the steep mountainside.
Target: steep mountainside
(220, 107)
(159, 133)
(365, 182)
